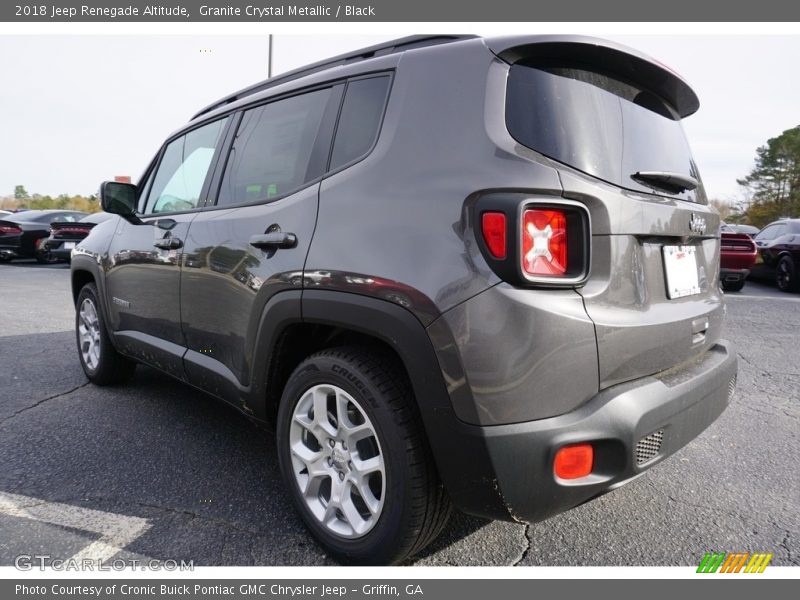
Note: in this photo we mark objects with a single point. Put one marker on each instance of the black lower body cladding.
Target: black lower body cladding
(649, 418)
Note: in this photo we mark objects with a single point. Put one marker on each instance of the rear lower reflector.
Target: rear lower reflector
(574, 462)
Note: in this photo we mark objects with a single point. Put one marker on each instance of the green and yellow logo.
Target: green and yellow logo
(734, 562)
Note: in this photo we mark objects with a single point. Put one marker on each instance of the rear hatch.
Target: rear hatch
(610, 121)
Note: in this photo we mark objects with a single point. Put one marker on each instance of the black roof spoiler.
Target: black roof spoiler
(614, 59)
(390, 47)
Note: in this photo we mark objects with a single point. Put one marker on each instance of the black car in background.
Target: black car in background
(65, 235)
(779, 254)
(22, 235)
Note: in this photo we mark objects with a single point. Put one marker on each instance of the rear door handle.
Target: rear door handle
(169, 243)
(278, 239)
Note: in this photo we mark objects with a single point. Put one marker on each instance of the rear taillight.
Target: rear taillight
(544, 242)
(493, 227)
(78, 230)
(10, 229)
(531, 241)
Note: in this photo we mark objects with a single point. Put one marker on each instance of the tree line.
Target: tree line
(773, 185)
(22, 199)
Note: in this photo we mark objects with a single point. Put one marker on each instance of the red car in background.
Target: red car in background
(738, 254)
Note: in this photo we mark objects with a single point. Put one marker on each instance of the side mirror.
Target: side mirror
(119, 199)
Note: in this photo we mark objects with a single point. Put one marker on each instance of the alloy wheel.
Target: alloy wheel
(337, 461)
(89, 333)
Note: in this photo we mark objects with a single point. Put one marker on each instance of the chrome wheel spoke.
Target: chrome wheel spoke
(321, 420)
(351, 515)
(362, 487)
(370, 465)
(355, 433)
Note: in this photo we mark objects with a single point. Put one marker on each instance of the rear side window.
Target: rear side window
(63, 218)
(600, 125)
(772, 232)
(360, 119)
(273, 151)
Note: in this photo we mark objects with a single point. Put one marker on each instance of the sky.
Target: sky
(78, 109)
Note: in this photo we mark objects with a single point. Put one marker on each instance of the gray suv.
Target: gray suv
(448, 271)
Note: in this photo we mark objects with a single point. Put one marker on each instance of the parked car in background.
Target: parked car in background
(779, 254)
(22, 235)
(64, 235)
(750, 230)
(737, 256)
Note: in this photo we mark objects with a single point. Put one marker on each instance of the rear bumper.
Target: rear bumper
(56, 248)
(733, 274)
(675, 405)
(10, 250)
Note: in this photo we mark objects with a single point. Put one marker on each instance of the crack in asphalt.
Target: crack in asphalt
(42, 401)
(784, 544)
(526, 550)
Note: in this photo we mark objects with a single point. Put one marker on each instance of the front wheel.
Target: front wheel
(353, 454)
(786, 275)
(101, 362)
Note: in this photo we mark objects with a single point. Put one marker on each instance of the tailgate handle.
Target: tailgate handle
(699, 329)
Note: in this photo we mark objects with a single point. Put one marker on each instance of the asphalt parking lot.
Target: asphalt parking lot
(156, 469)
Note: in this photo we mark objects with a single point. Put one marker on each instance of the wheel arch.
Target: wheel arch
(331, 318)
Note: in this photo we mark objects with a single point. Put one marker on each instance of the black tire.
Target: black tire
(111, 368)
(733, 286)
(43, 255)
(415, 504)
(786, 275)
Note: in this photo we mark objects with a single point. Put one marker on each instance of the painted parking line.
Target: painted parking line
(115, 531)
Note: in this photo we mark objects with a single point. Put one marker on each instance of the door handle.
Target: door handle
(277, 239)
(169, 243)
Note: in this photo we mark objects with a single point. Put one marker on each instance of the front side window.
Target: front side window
(273, 151)
(184, 167)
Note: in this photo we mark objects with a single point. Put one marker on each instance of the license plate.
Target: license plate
(680, 265)
(69, 245)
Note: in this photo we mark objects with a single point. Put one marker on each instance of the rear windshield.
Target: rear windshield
(599, 125)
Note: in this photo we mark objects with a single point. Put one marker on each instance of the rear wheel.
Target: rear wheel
(786, 275)
(42, 253)
(733, 286)
(354, 457)
(101, 363)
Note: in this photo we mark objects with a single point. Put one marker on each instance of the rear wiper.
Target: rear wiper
(666, 180)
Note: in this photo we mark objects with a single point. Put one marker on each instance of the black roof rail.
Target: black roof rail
(390, 47)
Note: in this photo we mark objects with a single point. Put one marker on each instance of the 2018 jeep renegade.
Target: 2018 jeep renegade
(449, 270)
